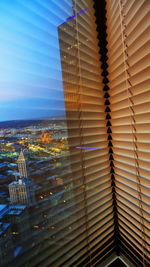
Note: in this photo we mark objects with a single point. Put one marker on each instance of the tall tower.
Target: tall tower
(22, 165)
(22, 191)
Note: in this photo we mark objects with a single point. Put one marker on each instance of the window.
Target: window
(74, 132)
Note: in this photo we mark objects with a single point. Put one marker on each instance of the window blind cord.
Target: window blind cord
(81, 133)
(129, 86)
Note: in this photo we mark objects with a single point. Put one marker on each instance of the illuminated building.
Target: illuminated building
(14, 231)
(22, 165)
(46, 138)
(18, 218)
(22, 191)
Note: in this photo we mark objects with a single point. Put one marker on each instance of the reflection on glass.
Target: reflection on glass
(49, 82)
(36, 198)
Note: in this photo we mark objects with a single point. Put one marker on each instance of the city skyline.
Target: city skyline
(30, 77)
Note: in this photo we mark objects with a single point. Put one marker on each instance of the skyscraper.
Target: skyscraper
(22, 165)
(22, 191)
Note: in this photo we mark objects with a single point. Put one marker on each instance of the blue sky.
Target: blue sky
(30, 68)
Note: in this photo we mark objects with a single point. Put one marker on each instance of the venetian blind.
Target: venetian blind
(87, 138)
(128, 65)
(72, 221)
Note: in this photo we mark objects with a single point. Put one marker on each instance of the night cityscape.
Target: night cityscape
(34, 190)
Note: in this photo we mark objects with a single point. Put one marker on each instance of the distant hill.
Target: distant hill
(27, 123)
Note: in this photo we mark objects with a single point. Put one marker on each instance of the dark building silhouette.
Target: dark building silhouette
(6, 254)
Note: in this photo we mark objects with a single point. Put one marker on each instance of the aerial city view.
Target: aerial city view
(35, 172)
(34, 165)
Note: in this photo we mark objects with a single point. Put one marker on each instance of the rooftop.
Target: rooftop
(11, 210)
(18, 207)
(22, 181)
(3, 227)
(2, 207)
(17, 183)
(14, 212)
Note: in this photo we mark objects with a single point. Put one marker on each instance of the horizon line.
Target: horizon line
(33, 119)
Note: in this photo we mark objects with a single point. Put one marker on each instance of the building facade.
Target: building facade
(22, 191)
